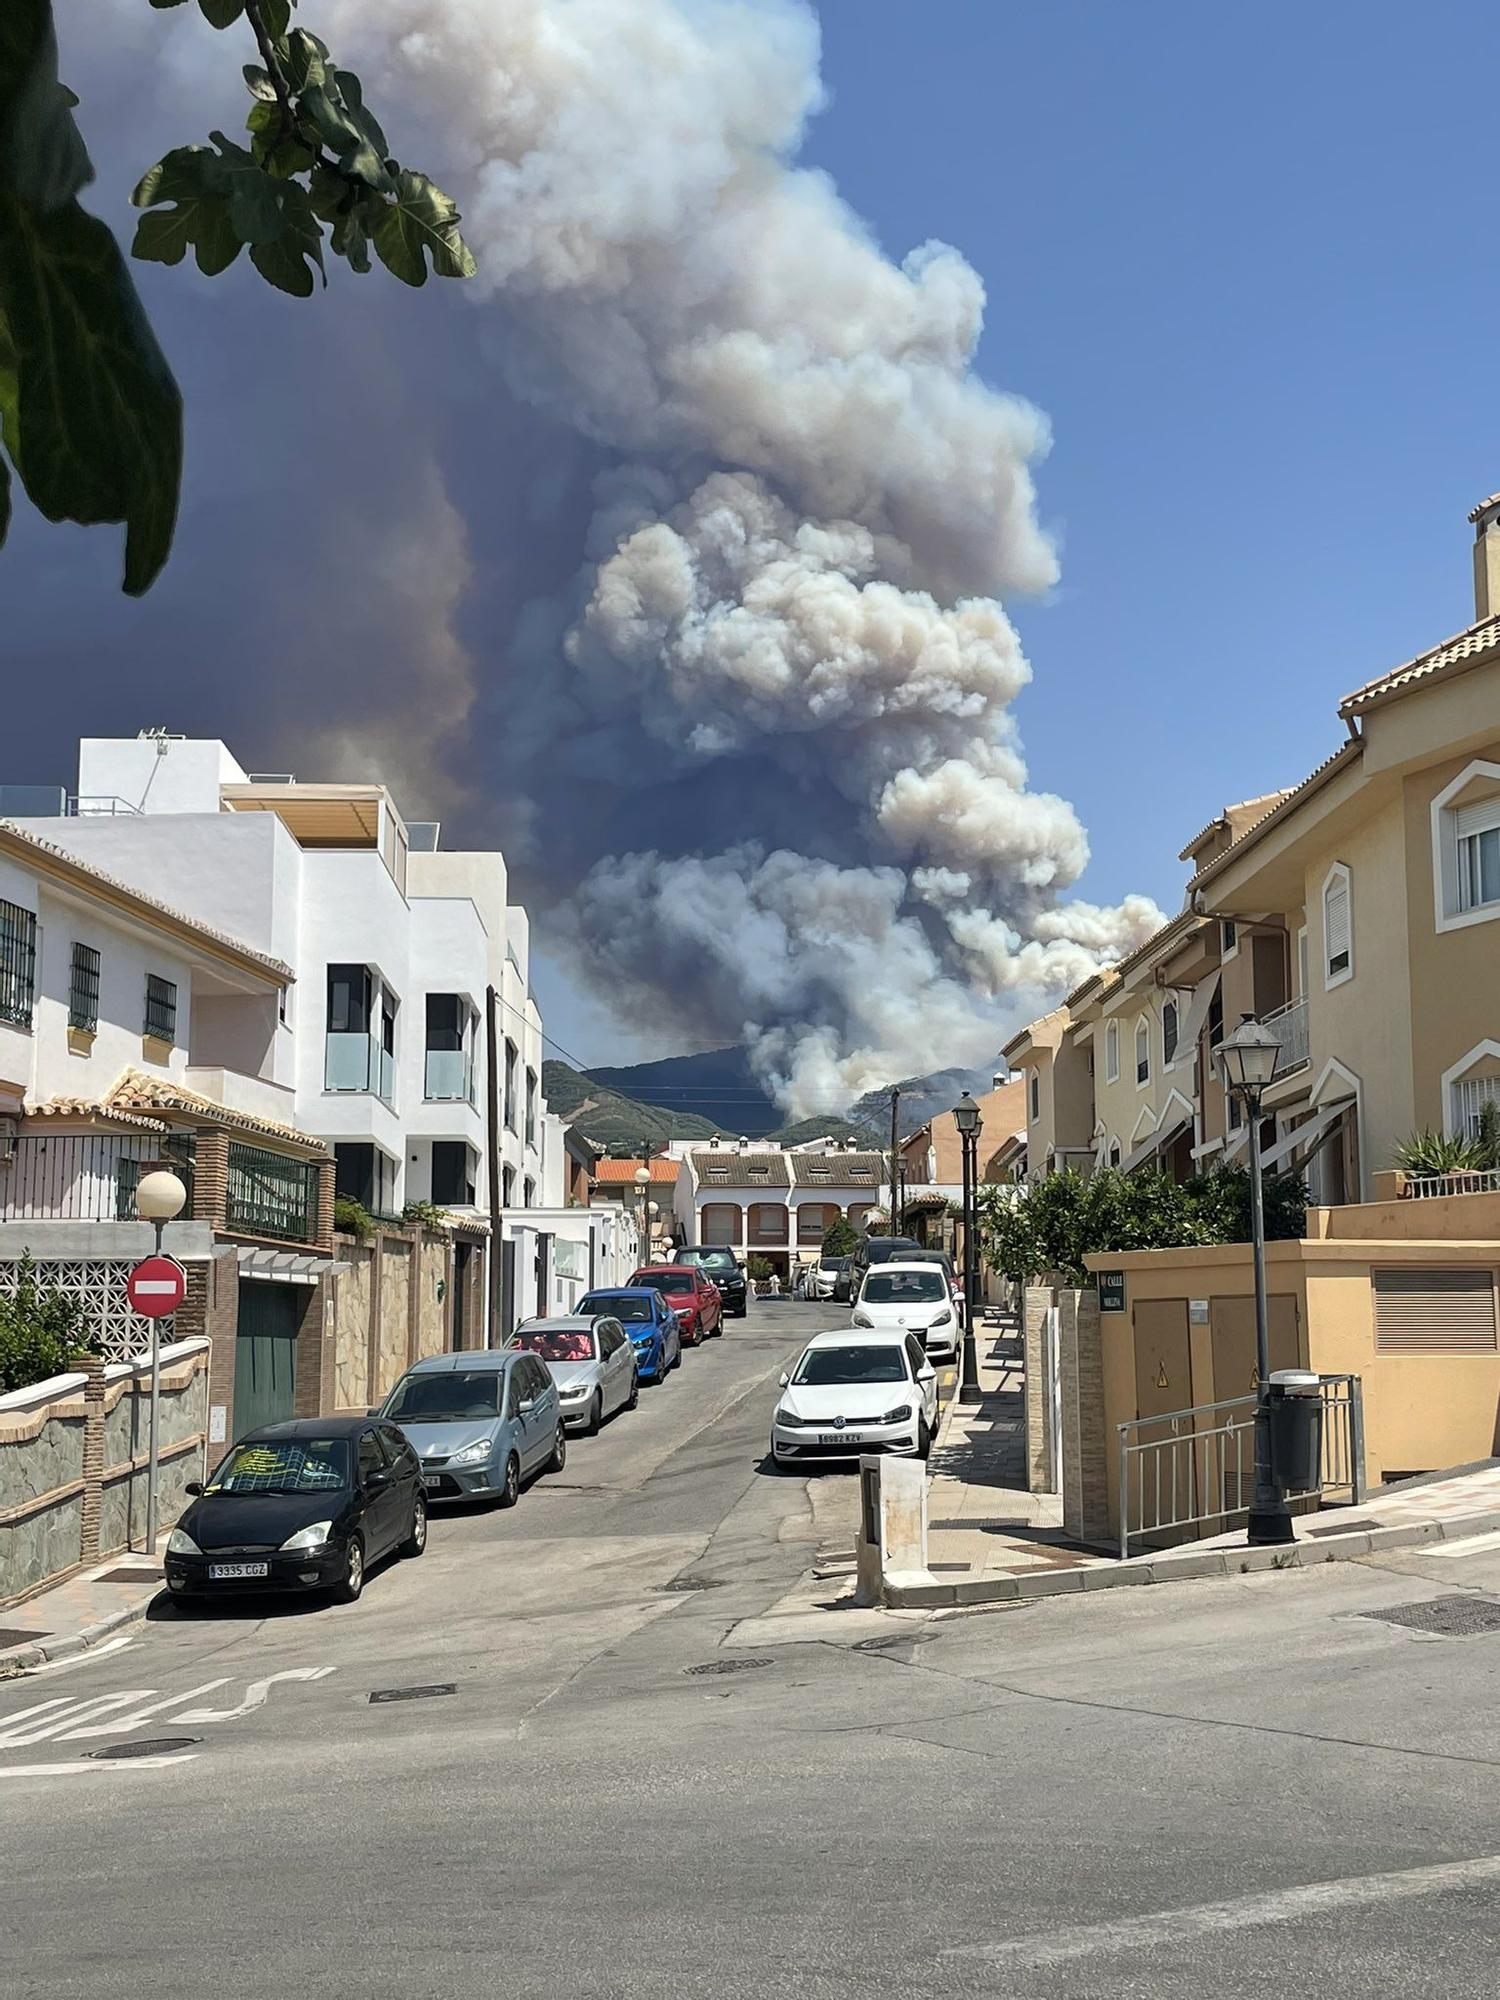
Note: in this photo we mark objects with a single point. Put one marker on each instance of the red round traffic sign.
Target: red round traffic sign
(157, 1286)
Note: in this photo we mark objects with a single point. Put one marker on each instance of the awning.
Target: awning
(1153, 1143)
(1192, 1027)
(1310, 1133)
(287, 1267)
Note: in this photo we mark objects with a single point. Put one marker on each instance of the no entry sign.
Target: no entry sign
(157, 1286)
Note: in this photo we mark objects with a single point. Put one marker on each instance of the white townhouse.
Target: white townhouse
(773, 1201)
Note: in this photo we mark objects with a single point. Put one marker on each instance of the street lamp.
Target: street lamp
(1248, 1060)
(966, 1117)
(159, 1198)
(653, 1209)
(642, 1182)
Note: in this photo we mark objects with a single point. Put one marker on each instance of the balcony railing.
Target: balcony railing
(448, 1076)
(267, 1194)
(86, 1177)
(358, 1062)
(1428, 1187)
(1289, 1025)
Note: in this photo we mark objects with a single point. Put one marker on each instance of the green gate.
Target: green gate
(265, 1354)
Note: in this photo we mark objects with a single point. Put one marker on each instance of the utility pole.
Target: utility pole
(895, 1159)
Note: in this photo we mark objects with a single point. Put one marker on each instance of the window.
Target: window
(1168, 1033)
(1421, 1311)
(508, 1186)
(1215, 1021)
(1477, 830)
(1338, 939)
(161, 1008)
(528, 1193)
(1470, 1095)
(386, 1078)
(1112, 1053)
(452, 1174)
(371, 1458)
(1466, 848)
(448, 1072)
(1036, 1095)
(1236, 1112)
(354, 1171)
(348, 1000)
(1114, 1152)
(1142, 1052)
(83, 989)
(1229, 937)
(17, 963)
(511, 1057)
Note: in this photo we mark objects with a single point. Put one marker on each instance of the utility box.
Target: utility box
(1294, 1406)
(892, 1523)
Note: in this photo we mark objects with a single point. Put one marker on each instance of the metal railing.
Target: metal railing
(85, 1177)
(89, 805)
(1289, 1025)
(448, 1076)
(1427, 1187)
(268, 1194)
(1195, 1468)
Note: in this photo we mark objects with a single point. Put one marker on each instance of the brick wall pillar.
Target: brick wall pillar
(326, 1170)
(312, 1392)
(1041, 1474)
(211, 1178)
(93, 1458)
(221, 1324)
(1085, 1448)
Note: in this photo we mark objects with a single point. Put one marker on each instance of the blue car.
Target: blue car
(647, 1319)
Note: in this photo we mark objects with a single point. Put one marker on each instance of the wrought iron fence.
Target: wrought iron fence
(17, 963)
(1195, 1468)
(269, 1194)
(86, 1177)
(1427, 1187)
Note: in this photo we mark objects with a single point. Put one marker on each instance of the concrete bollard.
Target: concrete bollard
(892, 1523)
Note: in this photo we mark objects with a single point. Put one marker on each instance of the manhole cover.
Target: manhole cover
(154, 1746)
(1448, 1617)
(414, 1694)
(679, 1584)
(729, 1666)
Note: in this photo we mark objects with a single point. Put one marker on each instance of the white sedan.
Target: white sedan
(910, 1298)
(850, 1393)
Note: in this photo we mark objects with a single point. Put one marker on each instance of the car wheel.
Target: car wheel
(718, 1326)
(510, 1492)
(677, 1358)
(924, 1438)
(416, 1541)
(635, 1392)
(348, 1591)
(596, 1415)
(559, 1456)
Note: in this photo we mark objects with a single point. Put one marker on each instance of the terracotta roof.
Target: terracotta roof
(1267, 800)
(135, 1091)
(731, 1168)
(844, 1170)
(1475, 512)
(622, 1173)
(1314, 781)
(1059, 1014)
(148, 905)
(1453, 656)
(89, 1107)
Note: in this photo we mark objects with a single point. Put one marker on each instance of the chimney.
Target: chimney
(1486, 519)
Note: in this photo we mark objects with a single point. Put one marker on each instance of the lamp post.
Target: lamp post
(159, 1198)
(642, 1182)
(966, 1118)
(1248, 1060)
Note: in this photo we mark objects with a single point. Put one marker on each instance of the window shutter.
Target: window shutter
(1434, 1312)
(1482, 817)
(1336, 923)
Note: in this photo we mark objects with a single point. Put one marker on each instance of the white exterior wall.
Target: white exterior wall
(171, 775)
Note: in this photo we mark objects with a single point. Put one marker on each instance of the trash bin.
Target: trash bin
(1295, 1410)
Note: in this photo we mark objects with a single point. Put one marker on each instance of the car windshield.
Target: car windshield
(560, 1343)
(446, 1396)
(834, 1264)
(711, 1260)
(883, 1251)
(284, 1465)
(903, 1288)
(821, 1367)
(669, 1281)
(617, 1307)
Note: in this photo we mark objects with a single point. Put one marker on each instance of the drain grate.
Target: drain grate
(1448, 1617)
(414, 1694)
(154, 1746)
(729, 1666)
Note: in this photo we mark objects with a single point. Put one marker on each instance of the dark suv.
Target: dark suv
(879, 1250)
(721, 1268)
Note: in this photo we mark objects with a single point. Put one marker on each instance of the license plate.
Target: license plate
(233, 1572)
(840, 1437)
(431, 1479)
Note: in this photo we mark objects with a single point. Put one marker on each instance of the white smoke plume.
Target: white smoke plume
(751, 735)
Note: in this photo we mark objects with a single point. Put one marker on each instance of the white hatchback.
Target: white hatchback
(912, 1298)
(851, 1393)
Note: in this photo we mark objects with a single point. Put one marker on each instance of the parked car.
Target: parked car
(696, 1302)
(912, 1297)
(877, 1250)
(649, 1322)
(725, 1271)
(827, 1273)
(480, 1423)
(854, 1392)
(591, 1363)
(305, 1505)
(955, 1284)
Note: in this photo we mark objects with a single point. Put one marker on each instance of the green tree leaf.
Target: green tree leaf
(422, 221)
(287, 260)
(348, 130)
(280, 156)
(192, 178)
(221, 13)
(304, 58)
(258, 82)
(276, 14)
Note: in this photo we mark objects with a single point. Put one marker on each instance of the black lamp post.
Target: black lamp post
(966, 1118)
(1248, 1060)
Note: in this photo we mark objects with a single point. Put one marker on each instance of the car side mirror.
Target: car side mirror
(373, 1411)
(378, 1480)
(194, 1487)
(786, 1381)
(526, 1405)
(926, 1374)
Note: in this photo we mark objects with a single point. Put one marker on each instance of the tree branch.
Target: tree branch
(273, 69)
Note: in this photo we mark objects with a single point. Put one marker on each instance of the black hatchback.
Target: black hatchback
(306, 1505)
(723, 1269)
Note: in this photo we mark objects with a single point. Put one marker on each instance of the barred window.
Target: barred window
(17, 963)
(83, 988)
(161, 1008)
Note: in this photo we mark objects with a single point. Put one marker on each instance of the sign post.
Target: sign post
(156, 1287)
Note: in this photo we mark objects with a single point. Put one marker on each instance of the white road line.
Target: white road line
(255, 1695)
(36, 1708)
(79, 1659)
(74, 1711)
(1474, 1546)
(72, 1769)
(121, 1725)
(1166, 1928)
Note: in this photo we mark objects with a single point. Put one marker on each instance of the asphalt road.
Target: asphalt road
(1231, 1787)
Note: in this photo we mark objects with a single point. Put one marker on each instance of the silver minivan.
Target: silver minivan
(479, 1423)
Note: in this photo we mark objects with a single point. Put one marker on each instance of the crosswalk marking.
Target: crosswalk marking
(119, 1725)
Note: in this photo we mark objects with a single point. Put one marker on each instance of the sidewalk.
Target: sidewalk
(76, 1614)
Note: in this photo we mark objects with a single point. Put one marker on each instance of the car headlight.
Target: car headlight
(309, 1538)
(944, 1318)
(180, 1543)
(862, 1319)
(901, 1416)
(473, 1454)
(574, 1392)
(786, 1416)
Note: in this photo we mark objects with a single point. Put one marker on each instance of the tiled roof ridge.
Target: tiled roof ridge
(1473, 641)
(92, 1107)
(1270, 800)
(134, 1090)
(1347, 750)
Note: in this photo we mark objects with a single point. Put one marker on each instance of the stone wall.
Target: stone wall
(391, 1306)
(1085, 1484)
(1041, 1474)
(353, 1296)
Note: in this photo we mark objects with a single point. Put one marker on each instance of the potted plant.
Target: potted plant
(758, 1270)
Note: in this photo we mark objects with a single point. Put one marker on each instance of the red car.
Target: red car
(696, 1302)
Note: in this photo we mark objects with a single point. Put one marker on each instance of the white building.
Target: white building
(772, 1201)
